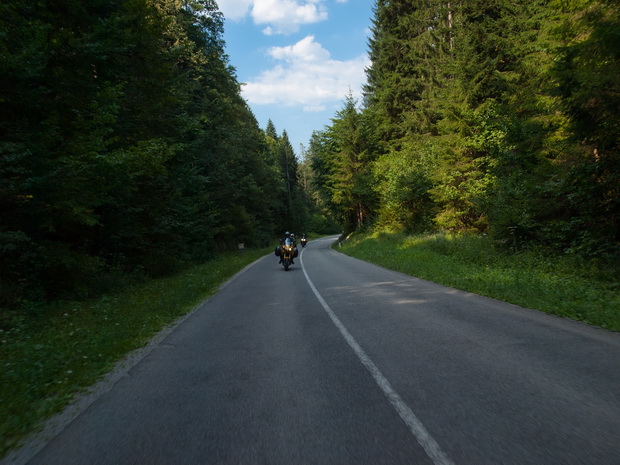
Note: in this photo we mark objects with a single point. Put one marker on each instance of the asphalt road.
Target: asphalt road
(341, 362)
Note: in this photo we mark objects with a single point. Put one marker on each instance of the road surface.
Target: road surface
(341, 362)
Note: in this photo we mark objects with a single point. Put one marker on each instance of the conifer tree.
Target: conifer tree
(124, 143)
(586, 71)
(341, 161)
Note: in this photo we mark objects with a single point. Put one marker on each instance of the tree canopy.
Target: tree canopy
(496, 117)
(125, 145)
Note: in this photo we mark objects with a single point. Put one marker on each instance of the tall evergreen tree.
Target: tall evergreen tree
(399, 76)
(124, 143)
(586, 72)
(341, 159)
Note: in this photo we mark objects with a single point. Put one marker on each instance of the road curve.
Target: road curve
(339, 361)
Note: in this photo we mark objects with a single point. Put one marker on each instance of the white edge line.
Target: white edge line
(430, 446)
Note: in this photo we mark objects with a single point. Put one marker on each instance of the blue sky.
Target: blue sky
(298, 58)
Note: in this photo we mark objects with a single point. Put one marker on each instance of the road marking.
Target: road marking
(430, 446)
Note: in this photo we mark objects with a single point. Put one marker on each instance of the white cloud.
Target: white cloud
(235, 10)
(278, 16)
(285, 16)
(306, 50)
(306, 76)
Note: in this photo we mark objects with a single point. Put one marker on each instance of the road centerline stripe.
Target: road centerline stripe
(430, 446)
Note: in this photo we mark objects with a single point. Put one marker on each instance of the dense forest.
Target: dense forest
(499, 117)
(126, 148)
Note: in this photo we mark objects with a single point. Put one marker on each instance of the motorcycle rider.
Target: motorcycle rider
(288, 235)
(282, 240)
(292, 237)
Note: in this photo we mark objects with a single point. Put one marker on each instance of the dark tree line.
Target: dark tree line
(495, 116)
(125, 146)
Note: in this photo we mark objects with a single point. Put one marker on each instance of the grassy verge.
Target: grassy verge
(49, 356)
(565, 286)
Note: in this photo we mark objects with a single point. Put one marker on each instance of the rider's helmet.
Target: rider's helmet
(292, 236)
(287, 234)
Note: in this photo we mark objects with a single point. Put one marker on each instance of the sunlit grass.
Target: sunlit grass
(561, 285)
(47, 356)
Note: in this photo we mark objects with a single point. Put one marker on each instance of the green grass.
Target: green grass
(48, 356)
(561, 285)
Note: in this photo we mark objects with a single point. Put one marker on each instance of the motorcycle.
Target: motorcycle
(287, 252)
(304, 241)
